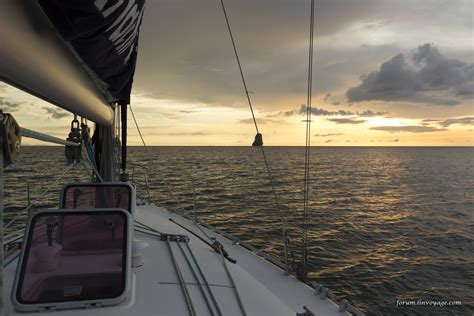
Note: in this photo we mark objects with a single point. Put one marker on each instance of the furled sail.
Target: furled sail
(104, 36)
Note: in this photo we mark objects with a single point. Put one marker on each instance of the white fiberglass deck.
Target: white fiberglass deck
(156, 290)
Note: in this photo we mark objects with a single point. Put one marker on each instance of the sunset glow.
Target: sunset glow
(382, 76)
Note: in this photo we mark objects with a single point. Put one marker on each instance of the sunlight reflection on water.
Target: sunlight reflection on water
(385, 223)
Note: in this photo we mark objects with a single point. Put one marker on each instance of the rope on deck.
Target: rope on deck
(201, 289)
(187, 296)
(204, 279)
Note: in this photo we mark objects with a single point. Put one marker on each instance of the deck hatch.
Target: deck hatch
(74, 258)
(99, 195)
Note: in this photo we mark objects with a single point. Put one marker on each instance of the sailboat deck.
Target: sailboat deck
(262, 287)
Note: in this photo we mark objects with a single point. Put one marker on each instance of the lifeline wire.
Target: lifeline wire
(146, 149)
(43, 194)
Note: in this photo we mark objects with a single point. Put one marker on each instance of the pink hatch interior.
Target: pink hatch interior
(76, 256)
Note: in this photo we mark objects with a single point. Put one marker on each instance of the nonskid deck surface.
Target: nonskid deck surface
(262, 287)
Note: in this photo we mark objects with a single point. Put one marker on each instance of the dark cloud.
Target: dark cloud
(346, 120)
(56, 113)
(328, 141)
(408, 129)
(194, 55)
(185, 53)
(9, 106)
(327, 135)
(323, 112)
(370, 113)
(429, 78)
(460, 121)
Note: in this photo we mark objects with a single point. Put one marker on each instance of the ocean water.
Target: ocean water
(386, 224)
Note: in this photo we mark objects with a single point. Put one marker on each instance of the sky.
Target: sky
(385, 73)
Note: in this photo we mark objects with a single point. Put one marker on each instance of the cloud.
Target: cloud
(261, 121)
(273, 54)
(346, 120)
(408, 129)
(328, 141)
(329, 99)
(429, 78)
(189, 111)
(323, 112)
(370, 113)
(9, 106)
(289, 113)
(327, 135)
(188, 134)
(56, 113)
(460, 121)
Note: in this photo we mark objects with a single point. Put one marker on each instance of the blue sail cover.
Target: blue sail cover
(104, 36)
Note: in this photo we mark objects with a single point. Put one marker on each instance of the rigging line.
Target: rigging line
(136, 124)
(184, 289)
(214, 245)
(90, 173)
(201, 288)
(45, 137)
(308, 143)
(240, 66)
(204, 279)
(232, 282)
(154, 161)
(43, 194)
(285, 232)
(97, 174)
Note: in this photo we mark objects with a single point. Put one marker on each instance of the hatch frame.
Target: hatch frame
(130, 187)
(100, 302)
